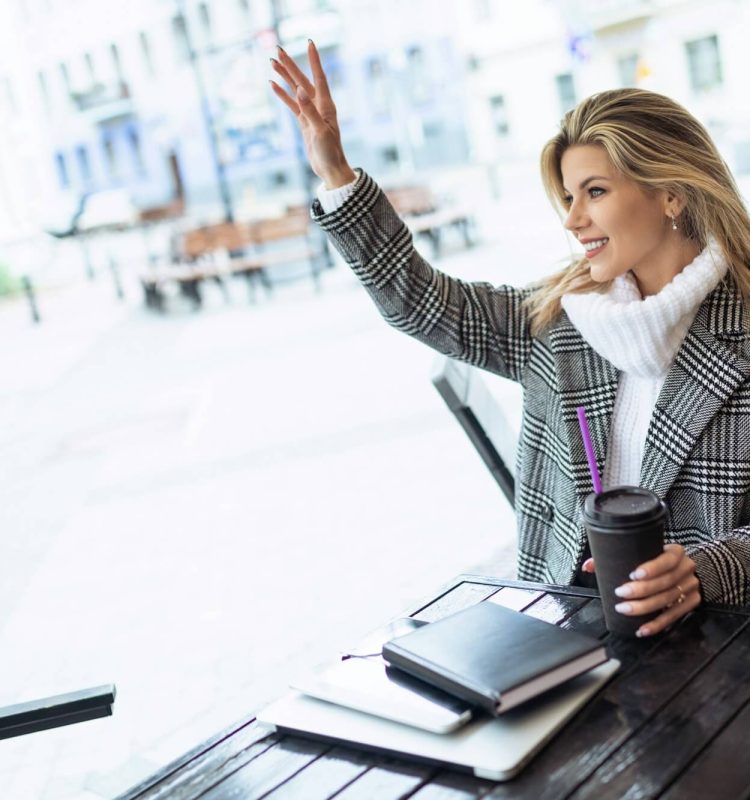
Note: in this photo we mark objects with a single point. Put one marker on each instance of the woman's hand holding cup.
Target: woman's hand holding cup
(312, 105)
(668, 582)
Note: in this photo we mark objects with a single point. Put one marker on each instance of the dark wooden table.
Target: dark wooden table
(673, 723)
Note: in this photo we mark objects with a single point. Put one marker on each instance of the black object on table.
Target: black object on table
(673, 723)
(56, 711)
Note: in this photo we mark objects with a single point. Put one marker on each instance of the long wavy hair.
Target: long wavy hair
(655, 142)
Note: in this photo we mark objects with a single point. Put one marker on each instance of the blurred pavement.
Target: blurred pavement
(197, 506)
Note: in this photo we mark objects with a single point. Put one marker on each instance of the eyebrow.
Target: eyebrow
(588, 180)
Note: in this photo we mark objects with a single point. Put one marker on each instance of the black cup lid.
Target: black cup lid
(623, 505)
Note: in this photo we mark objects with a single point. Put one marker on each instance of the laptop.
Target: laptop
(494, 748)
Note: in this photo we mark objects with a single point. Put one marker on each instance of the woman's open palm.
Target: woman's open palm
(312, 105)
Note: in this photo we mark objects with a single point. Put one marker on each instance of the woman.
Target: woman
(649, 331)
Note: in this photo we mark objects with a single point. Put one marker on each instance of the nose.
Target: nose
(577, 218)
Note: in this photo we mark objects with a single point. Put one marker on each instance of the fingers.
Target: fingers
(588, 565)
(683, 585)
(308, 110)
(670, 615)
(664, 582)
(666, 562)
(282, 70)
(286, 99)
(321, 82)
(668, 584)
(295, 74)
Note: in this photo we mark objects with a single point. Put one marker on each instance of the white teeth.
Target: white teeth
(593, 245)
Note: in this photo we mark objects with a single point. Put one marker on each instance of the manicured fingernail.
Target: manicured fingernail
(637, 574)
(641, 632)
(310, 41)
(623, 608)
(280, 48)
(623, 591)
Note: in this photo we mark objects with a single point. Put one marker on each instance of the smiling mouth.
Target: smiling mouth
(594, 248)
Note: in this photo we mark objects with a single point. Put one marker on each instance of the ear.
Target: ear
(673, 203)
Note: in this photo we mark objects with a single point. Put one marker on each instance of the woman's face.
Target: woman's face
(621, 226)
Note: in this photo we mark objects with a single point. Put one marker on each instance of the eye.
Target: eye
(567, 200)
(596, 189)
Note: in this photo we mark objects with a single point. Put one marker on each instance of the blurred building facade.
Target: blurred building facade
(161, 96)
(527, 68)
(158, 97)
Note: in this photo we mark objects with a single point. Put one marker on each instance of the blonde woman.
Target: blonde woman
(649, 331)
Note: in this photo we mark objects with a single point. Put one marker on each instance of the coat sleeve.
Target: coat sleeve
(723, 567)
(475, 322)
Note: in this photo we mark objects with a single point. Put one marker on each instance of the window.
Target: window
(134, 140)
(378, 88)
(499, 114)
(65, 76)
(43, 89)
(62, 170)
(389, 155)
(180, 38)
(417, 75)
(482, 10)
(704, 63)
(116, 63)
(566, 91)
(84, 167)
(90, 67)
(148, 59)
(9, 96)
(627, 70)
(204, 14)
(110, 154)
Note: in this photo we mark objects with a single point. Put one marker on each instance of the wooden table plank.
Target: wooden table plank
(448, 785)
(262, 775)
(388, 781)
(625, 704)
(722, 770)
(462, 596)
(204, 766)
(662, 749)
(325, 776)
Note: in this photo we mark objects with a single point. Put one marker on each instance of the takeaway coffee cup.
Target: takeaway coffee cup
(625, 527)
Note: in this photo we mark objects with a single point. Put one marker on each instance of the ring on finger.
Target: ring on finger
(681, 597)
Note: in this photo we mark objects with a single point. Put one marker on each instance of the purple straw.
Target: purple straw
(589, 446)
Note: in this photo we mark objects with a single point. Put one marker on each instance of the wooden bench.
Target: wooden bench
(425, 217)
(250, 248)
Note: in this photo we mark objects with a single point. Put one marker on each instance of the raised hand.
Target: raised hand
(312, 105)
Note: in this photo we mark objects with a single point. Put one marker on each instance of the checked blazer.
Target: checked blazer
(697, 452)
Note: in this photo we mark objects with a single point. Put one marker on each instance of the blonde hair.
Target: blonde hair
(655, 142)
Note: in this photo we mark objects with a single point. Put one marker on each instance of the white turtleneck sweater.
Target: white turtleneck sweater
(640, 337)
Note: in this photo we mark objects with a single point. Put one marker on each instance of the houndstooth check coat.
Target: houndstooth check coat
(697, 453)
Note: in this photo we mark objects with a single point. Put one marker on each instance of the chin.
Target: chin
(601, 273)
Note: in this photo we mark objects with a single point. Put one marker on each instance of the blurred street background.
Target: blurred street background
(219, 465)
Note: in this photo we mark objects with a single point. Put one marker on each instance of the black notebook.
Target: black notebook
(494, 657)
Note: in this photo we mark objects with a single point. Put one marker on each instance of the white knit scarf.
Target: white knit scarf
(639, 336)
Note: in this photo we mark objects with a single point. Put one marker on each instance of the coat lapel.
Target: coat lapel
(584, 379)
(711, 363)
